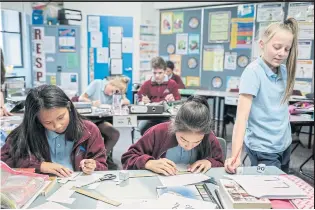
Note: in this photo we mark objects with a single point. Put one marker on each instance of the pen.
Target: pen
(219, 199)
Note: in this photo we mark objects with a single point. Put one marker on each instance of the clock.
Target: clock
(242, 61)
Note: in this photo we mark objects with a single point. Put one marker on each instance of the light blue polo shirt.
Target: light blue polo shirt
(180, 156)
(60, 149)
(95, 91)
(268, 128)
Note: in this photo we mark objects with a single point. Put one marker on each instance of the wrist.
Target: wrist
(148, 164)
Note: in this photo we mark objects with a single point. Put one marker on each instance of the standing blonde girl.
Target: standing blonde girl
(262, 113)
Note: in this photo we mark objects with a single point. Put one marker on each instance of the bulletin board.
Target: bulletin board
(229, 41)
(110, 47)
(185, 25)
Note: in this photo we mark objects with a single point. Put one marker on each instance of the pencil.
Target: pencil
(219, 199)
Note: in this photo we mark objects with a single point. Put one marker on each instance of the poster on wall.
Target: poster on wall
(96, 39)
(69, 81)
(192, 81)
(303, 86)
(194, 44)
(270, 12)
(306, 30)
(219, 27)
(178, 22)
(94, 23)
(177, 60)
(301, 11)
(66, 40)
(213, 57)
(39, 58)
(166, 23)
(232, 83)
(181, 44)
(304, 69)
(230, 60)
(242, 33)
(304, 49)
(246, 11)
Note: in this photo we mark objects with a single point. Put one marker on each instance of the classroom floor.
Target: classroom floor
(297, 157)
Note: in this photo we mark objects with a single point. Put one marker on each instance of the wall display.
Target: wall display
(181, 44)
(170, 49)
(192, 81)
(213, 57)
(166, 23)
(192, 63)
(230, 60)
(194, 44)
(242, 61)
(216, 82)
(301, 11)
(270, 12)
(304, 69)
(242, 33)
(178, 22)
(232, 83)
(177, 60)
(246, 11)
(193, 22)
(219, 27)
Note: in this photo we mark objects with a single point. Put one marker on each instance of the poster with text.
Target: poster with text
(230, 60)
(232, 83)
(166, 23)
(194, 44)
(242, 33)
(270, 12)
(66, 40)
(246, 11)
(304, 69)
(303, 86)
(219, 27)
(178, 22)
(213, 57)
(181, 44)
(301, 11)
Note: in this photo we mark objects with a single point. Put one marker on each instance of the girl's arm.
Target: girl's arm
(84, 97)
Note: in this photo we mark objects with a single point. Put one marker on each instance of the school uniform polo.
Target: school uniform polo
(180, 156)
(268, 128)
(60, 149)
(95, 91)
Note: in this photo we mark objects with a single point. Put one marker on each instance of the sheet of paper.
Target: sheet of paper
(304, 69)
(230, 60)
(181, 44)
(115, 34)
(304, 49)
(270, 12)
(69, 81)
(232, 83)
(127, 204)
(194, 44)
(178, 22)
(219, 23)
(180, 180)
(63, 194)
(116, 66)
(93, 23)
(301, 11)
(306, 30)
(102, 55)
(72, 177)
(50, 44)
(213, 58)
(273, 187)
(96, 39)
(50, 205)
(127, 45)
(72, 61)
(115, 50)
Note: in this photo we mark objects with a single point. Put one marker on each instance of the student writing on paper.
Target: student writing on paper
(101, 92)
(263, 111)
(187, 139)
(170, 73)
(53, 138)
(158, 88)
(3, 110)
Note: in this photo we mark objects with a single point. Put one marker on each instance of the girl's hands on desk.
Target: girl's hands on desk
(55, 168)
(96, 103)
(200, 166)
(4, 112)
(88, 165)
(231, 164)
(162, 166)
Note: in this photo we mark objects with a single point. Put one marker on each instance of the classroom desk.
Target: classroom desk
(139, 188)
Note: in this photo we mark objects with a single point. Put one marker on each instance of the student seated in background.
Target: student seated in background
(158, 88)
(187, 139)
(101, 92)
(169, 72)
(53, 138)
(3, 110)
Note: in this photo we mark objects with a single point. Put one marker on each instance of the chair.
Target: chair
(223, 146)
(229, 113)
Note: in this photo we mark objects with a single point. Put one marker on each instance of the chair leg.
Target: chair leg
(301, 168)
(244, 159)
(294, 148)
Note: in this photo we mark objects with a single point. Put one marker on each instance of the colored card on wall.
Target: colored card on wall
(166, 23)
(246, 11)
(219, 26)
(192, 81)
(194, 44)
(72, 61)
(177, 60)
(213, 58)
(178, 22)
(181, 44)
(232, 83)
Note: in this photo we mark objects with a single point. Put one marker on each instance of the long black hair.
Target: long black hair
(194, 116)
(30, 136)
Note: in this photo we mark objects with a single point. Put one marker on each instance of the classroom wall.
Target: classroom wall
(171, 5)
(26, 9)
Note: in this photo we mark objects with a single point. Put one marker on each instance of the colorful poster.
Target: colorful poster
(166, 23)
(177, 60)
(178, 22)
(53, 80)
(303, 86)
(230, 60)
(181, 44)
(72, 61)
(66, 40)
(304, 49)
(213, 57)
(306, 30)
(232, 83)
(194, 44)
(219, 27)
(301, 11)
(242, 33)
(304, 69)
(69, 81)
(270, 12)
(192, 81)
(245, 11)
(38, 56)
